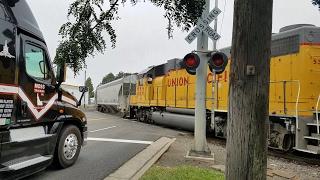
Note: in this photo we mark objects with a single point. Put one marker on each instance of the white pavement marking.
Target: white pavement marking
(103, 129)
(97, 119)
(119, 140)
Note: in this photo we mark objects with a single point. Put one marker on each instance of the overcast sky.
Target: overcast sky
(142, 37)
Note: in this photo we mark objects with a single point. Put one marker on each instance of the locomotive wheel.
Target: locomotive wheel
(131, 113)
(123, 114)
(287, 143)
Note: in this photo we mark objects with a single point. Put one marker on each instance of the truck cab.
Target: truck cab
(40, 123)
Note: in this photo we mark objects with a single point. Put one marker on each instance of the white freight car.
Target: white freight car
(114, 96)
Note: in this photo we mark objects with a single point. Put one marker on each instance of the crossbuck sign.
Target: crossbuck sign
(203, 26)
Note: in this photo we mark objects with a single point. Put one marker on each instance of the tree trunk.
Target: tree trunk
(249, 94)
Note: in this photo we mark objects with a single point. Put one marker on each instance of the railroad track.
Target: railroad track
(296, 156)
(293, 156)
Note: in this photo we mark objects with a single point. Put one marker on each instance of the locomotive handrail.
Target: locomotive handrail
(298, 96)
(317, 114)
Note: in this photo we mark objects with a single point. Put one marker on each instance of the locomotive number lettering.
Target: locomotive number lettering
(316, 60)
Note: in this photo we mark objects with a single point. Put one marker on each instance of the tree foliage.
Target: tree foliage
(316, 2)
(121, 74)
(108, 78)
(89, 20)
(89, 85)
(111, 77)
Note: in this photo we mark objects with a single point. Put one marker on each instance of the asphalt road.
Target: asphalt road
(112, 142)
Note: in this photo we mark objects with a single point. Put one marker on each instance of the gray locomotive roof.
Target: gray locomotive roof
(305, 34)
(23, 17)
(146, 70)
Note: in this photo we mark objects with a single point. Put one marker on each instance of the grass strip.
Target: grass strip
(182, 173)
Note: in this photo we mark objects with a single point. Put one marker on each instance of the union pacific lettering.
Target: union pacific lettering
(220, 77)
(181, 81)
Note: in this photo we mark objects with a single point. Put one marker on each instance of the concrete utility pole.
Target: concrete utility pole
(200, 141)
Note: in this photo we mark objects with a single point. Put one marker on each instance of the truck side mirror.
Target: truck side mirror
(83, 89)
(61, 73)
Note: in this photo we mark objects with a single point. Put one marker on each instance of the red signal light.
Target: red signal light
(191, 62)
(218, 62)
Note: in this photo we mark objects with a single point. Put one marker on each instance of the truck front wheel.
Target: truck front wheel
(68, 147)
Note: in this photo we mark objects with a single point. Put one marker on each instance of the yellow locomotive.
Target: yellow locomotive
(165, 94)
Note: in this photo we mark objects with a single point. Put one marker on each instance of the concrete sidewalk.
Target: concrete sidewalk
(138, 165)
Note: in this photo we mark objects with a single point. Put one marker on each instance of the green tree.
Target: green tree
(82, 35)
(90, 87)
(108, 78)
(121, 74)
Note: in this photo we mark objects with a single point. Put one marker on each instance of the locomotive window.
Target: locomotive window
(284, 46)
(35, 62)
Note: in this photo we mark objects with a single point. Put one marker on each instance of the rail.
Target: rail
(297, 100)
(317, 113)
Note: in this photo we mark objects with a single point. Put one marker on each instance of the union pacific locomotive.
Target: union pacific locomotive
(165, 94)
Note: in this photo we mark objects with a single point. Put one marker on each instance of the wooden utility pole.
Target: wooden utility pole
(249, 90)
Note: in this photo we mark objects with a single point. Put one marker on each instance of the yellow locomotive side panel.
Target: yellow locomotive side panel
(159, 89)
(142, 97)
(283, 88)
(294, 81)
(310, 81)
(171, 90)
(287, 74)
(180, 87)
(220, 98)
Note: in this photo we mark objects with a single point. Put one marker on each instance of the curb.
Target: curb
(139, 164)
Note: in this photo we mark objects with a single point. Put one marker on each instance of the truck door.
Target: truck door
(36, 83)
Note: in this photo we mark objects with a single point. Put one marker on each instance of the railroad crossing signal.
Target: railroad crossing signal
(218, 62)
(191, 62)
(203, 26)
